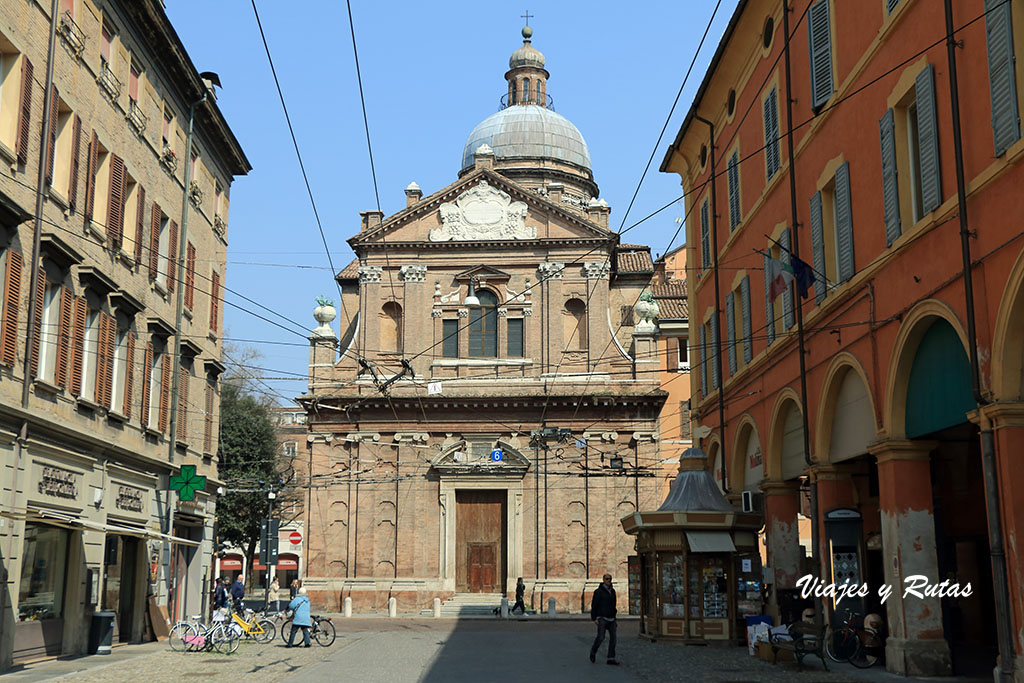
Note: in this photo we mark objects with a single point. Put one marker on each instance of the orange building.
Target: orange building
(903, 165)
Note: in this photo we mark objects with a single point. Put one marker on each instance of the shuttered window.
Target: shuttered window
(716, 362)
(818, 248)
(772, 160)
(92, 161)
(140, 225)
(927, 141)
(730, 330)
(703, 361)
(515, 338)
(155, 228)
(172, 256)
(748, 334)
(788, 319)
(214, 301)
(67, 307)
(844, 224)
(182, 416)
(52, 133)
(1002, 79)
(734, 191)
(11, 303)
(77, 355)
(890, 185)
(25, 111)
(190, 275)
(165, 391)
(890, 5)
(129, 374)
(769, 308)
(672, 353)
(450, 338)
(705, 237)
(115, 201)
(208, 420)
(76, 150)
(148, 370)
(820, 53)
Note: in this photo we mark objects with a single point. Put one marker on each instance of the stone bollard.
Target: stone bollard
(348, 607)
(504, 608)
(392, 607)
(437, 608)
(551, 607)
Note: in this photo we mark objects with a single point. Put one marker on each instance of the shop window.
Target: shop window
(43, 566)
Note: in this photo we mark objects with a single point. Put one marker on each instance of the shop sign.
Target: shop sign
(58, 483)
(129, 499)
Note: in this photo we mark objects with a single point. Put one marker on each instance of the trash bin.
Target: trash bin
(101, 635)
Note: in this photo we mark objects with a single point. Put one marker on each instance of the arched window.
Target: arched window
(391, 327)
(526, 90)
(483, 326)
(512, 93)
(540, 100)
(574, 325)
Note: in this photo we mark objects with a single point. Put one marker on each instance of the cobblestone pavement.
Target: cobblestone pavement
(432, 651)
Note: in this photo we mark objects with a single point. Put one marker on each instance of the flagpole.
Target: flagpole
(815, 541)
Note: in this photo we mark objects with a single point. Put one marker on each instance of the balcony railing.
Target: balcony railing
(136, 117)
(72, 34)
(548, 102)
(109, 82)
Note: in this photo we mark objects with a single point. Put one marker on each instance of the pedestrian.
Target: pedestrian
(300, 618)
(274, 595)
(520, 591)
(293, 589)
(237, 593)
(602, 611)
(220, 594)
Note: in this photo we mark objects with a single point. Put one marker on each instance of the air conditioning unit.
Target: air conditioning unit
(753, 501)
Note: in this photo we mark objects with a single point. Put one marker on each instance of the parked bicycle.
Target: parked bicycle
(195, 636)
(322, 629)
(255, 626)
(857, 641)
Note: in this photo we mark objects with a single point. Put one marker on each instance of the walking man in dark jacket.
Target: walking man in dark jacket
(602, 611)
(237, 593)
(520, 592)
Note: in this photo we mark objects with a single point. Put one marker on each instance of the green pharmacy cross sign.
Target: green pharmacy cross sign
(187, 483)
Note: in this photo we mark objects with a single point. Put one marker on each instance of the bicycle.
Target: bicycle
(861, 645)
(199, 637)
(322, 629)
(255, 626)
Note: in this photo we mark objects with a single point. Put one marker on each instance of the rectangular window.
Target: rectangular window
(450, 338)
(133, 82)
(703, 361)
(48, 331)
(91, 354)
(730, 330)
(1002, 79)
(769, 305)
(62, 152)
(132, 219)
(214, 301)
(156, 381)
(106, 38)
(716, 370)
(101, 189)
(735, 215)
(163, 250)
(515, 337)
(705, 237)
(682, 355)
(190, 275)
(745, 326)
(121, 369)
(166, 130)
(820, 38)
(43, 570)
(208, 421)
(772, 160)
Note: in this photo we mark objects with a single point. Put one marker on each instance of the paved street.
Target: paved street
(432, 651)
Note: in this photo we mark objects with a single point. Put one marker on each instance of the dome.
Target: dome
(527, 55)
(528, 130)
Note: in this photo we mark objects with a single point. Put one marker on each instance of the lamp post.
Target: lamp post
(270, 544)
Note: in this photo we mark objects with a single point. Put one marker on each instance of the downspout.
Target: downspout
(797, 304)
(718, 297)
(1000, 579)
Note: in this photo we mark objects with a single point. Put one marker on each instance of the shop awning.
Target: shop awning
(284, 561)
(70, 520)
(710, 542)
(231, 563)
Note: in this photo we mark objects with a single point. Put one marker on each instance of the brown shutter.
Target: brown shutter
(129, 374)
(190, 278)
(77, 345)
(90, 176)
(25, 118)
(172, 260)
(54, 110)
(208, 423)
(101, 358)
(37, 322)
(154, 241)
(673, 353)
(182, 403)
(140, 223)
(12, 301)
(67, 303)
(214, 300)
(109, 342)
(76, 149)
(165, 391)
(147, 368)
(115, 202)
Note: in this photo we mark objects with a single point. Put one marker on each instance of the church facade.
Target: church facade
(490, 410)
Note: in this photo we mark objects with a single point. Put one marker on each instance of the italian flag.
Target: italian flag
(780, 275)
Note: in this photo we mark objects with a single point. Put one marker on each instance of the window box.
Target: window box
(109, 82)
(72, 35)
(136, 118)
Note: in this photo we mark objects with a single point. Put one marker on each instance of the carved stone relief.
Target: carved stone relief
(413, 273)
(483, 213)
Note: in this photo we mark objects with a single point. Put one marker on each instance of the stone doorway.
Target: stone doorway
(480, 541)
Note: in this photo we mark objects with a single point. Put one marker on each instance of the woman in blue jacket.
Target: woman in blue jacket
(300, 618)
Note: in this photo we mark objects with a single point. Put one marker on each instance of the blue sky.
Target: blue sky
(431, 72)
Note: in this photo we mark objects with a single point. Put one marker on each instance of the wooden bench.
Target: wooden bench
(806, 640)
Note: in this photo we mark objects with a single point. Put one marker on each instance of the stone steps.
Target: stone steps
(468, 605)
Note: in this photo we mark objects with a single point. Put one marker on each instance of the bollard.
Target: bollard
(348, 607)
(392, 607)
(504, 608)
(551, 607)
(437, 608)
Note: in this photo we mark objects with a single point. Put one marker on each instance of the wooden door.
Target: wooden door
(480, 541)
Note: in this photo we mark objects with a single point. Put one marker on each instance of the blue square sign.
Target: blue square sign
(496, 455)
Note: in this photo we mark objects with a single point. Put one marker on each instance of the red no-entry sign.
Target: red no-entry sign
(295, 537)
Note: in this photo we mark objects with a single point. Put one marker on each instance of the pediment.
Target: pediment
(459, 458)
(483, 206)
(483, 274)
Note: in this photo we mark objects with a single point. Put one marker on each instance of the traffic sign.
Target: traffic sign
(295, 538)
(496, 455)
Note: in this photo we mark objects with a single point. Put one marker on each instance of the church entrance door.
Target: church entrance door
(480, 541)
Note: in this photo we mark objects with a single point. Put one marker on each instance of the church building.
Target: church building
(490, 410)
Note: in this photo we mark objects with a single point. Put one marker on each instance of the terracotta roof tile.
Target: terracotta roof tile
(350, 272)
(670, 289)
(633, 258)
(673, 309)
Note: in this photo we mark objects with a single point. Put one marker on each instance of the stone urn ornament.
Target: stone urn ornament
(324, 313)
(646, 310)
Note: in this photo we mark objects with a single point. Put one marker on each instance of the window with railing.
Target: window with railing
(72, 35)
(108, 81)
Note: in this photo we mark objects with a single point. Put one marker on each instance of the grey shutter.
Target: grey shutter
(734, 191)
(891, 5)
(928, 140)
(1002, 81)
(818, 249)
(844, 223)
(890, 188)
(771, 132)
(703, 363)
(821, 53)
(787, 295)
(716, 361)
(748, 335)
(730, 330)
(705, 237)
(769, 310)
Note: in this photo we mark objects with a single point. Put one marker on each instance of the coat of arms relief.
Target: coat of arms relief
(483, 213)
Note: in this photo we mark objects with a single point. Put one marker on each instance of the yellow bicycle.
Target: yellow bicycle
(254, 626)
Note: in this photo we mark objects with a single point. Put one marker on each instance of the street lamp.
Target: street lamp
(471, 298)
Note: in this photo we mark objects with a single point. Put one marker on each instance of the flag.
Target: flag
(779, 276)
(804, 276)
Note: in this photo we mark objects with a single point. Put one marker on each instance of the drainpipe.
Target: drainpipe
(795, 246)
(718, 297)
(1000, 579)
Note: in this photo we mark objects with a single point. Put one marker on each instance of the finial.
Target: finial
(527, 31)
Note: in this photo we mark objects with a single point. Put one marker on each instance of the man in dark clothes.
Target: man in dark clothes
(520, 592)
(602, 611)
(237, 593)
